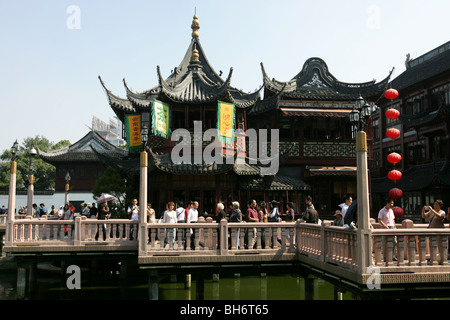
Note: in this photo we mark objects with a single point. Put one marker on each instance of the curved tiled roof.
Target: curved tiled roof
(194, 81)
(315, 83)
(81, 151)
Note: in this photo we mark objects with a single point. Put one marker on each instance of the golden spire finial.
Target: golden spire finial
(195, 25)
(195, 55)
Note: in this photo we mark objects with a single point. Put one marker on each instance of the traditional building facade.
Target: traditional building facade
(424, 105)
(315, 154)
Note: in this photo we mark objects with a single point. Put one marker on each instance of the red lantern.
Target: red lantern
(398, 212)
(392, 113)
(393, 133)
(394, 175)
(391, 94)
(395, 193)
(394, 158)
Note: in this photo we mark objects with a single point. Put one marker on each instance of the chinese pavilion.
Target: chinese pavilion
(316, 148)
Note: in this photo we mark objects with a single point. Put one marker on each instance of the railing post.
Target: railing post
(224, 237)
(323, 249)
(77, 236)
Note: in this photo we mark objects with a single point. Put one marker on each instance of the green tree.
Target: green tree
(114, 183)
(42, 171)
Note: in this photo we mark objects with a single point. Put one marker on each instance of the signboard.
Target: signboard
(225, 121)
(161, 119)
(133, 129)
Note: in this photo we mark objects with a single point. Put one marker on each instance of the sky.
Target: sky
(53, 51)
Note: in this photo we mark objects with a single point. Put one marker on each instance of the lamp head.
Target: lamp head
(15, 150)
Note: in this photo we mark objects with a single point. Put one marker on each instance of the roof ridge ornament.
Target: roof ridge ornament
(195, 25)
(195, 55)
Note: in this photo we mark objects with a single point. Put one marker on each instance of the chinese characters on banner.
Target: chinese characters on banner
(225, 121)
(161, 119)
(133, 129)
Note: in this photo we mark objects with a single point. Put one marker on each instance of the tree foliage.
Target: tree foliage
(43, 172)
(114, 183)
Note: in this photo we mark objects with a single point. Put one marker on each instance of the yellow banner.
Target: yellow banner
(134, 127)
(226, 119)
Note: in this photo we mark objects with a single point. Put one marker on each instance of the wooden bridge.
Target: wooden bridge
(410, 254)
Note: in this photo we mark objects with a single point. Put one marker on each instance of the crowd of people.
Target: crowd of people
(347, 215)
(65, 212)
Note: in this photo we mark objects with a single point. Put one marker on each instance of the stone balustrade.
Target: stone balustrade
(406, 250)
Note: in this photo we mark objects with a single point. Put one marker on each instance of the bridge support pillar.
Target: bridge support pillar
(200, 287)
(338, 293)
(237, 286)
(32, 266)
(153, 285)
(187, 281)
(21, 282)
(123, 269)
(309, 287)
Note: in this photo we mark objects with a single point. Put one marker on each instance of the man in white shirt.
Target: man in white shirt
(386, 215)
(193, 213)
(193, 218)
(386, 218)
(347, 202)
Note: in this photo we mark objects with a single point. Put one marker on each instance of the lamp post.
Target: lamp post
(142, 237)
(31, 181)
(359, 118)
(66, 198)
(12, 194)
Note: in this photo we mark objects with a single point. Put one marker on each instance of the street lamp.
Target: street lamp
(144, 135)
(359, 118)
(12, 194)
(66, 200)
(31, 181)
(360, 114)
